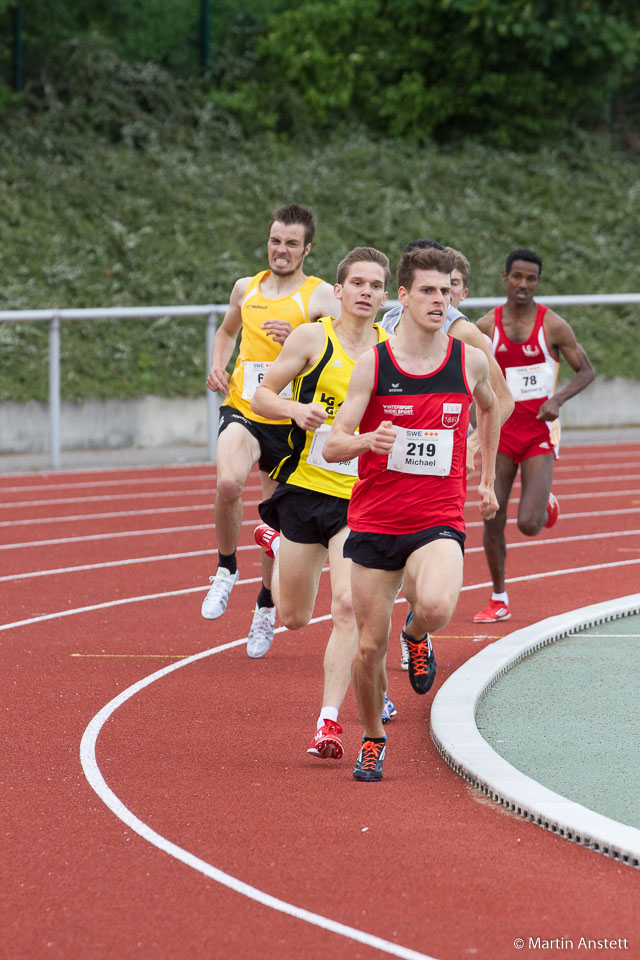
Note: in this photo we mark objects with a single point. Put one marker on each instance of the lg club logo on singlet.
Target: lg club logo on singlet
(330, 405)
(451, 414)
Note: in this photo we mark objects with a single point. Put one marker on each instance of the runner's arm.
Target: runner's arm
(299, 352)
(477, 367)
(324, 303)
(343, 443)
(561, 336)
(471, 334)
(225, 338)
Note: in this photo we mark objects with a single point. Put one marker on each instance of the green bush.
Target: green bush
(508, 71)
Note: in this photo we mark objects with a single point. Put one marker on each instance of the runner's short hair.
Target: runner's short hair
(363, 255)
(422, 245)
(292, 213)
(422, 259)
(462, 264)
(522, 254)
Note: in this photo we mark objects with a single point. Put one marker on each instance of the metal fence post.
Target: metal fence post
(213, 399)
(54, 391)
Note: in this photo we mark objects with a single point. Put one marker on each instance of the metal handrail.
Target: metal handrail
(213, 311)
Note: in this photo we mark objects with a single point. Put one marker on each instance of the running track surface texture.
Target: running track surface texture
(158, 798)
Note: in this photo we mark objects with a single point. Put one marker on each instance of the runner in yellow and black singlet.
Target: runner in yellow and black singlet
(263, 309)
(309, 505)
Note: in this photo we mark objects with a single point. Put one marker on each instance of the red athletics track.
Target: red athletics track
(210, 758)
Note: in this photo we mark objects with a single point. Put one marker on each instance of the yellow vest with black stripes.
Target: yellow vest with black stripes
(257, 351)
(325, 383)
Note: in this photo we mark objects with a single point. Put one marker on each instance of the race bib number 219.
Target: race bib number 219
(422, 451)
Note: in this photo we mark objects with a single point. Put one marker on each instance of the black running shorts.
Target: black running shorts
(388, 551)
(304, 516)
(272, 437)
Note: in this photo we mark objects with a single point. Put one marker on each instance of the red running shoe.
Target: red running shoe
(264, 537)
(553, 509)
(326, 742)
(497, 610)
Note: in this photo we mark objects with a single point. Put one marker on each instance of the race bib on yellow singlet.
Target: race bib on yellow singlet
(422, 451)
(530, 383)
(347, 467)
(254, 371)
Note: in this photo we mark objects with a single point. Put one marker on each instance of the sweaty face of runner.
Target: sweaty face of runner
(363, 291)
(521, 281)
(428, 298)
(286, 248)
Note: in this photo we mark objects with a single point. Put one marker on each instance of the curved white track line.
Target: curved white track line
(109, 798)
(456, 735)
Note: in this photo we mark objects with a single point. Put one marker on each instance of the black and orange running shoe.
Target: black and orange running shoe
(422, 663)
(369, 763)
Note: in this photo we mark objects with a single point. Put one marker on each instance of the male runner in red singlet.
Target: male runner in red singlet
(266, 308)
(528, 340)
(410, 396)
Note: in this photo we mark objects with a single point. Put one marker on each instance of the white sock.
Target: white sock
(501, 597)
(275, 546)
(327, 713)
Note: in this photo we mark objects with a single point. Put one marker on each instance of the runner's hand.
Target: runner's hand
(489, 504)
(382, 438)
(549, 410)
(309, 416)
(218, 379)
(278, 329)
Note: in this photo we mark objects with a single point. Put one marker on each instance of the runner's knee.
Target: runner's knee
(530, 525)
(342, 607)
(434, 612)
(229, 487)
(292, 615)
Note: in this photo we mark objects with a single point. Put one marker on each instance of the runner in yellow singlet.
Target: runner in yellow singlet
(309, 506)
(265, 309)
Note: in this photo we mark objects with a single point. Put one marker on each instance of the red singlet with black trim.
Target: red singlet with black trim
(396, 501)
(531, 372)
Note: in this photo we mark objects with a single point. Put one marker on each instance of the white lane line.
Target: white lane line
(81, 484)
(105, 793)
(150, 511)
(117, 496)
(600, 479)
(90, 471)
(120, 534)
(618, 564)
(118, 563)
(154, 531)
(158, 494)
(158, 558)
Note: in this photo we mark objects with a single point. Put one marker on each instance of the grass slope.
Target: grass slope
(88, 222)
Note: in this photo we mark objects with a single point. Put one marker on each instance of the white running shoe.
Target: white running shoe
(215, 602)
(261, 633)
(404, 663)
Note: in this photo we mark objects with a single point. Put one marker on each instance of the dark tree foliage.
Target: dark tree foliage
(505, 70)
